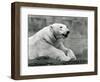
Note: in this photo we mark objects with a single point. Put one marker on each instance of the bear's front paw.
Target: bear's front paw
(66, 52)
(71, 54)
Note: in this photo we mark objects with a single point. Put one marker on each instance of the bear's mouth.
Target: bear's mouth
(66, 34)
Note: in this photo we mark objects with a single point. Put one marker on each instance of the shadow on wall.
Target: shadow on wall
(77, 39)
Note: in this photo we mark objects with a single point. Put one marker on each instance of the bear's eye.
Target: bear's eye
(61, 27)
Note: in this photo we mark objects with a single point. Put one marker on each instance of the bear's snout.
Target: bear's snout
(66, 34)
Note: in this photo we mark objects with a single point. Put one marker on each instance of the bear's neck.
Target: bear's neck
(50, 37)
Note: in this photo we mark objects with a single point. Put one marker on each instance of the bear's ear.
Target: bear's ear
(51, 28)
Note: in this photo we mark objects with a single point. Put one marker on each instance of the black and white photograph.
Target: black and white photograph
(57, 40)
(50, 40)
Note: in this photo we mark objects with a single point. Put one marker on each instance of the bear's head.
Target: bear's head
(60, 30)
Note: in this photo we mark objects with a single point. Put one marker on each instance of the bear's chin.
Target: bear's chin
(61, 37)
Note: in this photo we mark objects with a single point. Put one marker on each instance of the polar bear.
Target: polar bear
(49, 42)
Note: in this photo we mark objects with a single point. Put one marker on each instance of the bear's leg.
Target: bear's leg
(58, 54)
(71, 54)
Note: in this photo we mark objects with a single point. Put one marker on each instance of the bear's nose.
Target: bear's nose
(68, 32)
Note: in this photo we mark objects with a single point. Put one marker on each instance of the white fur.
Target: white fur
(44, 43)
